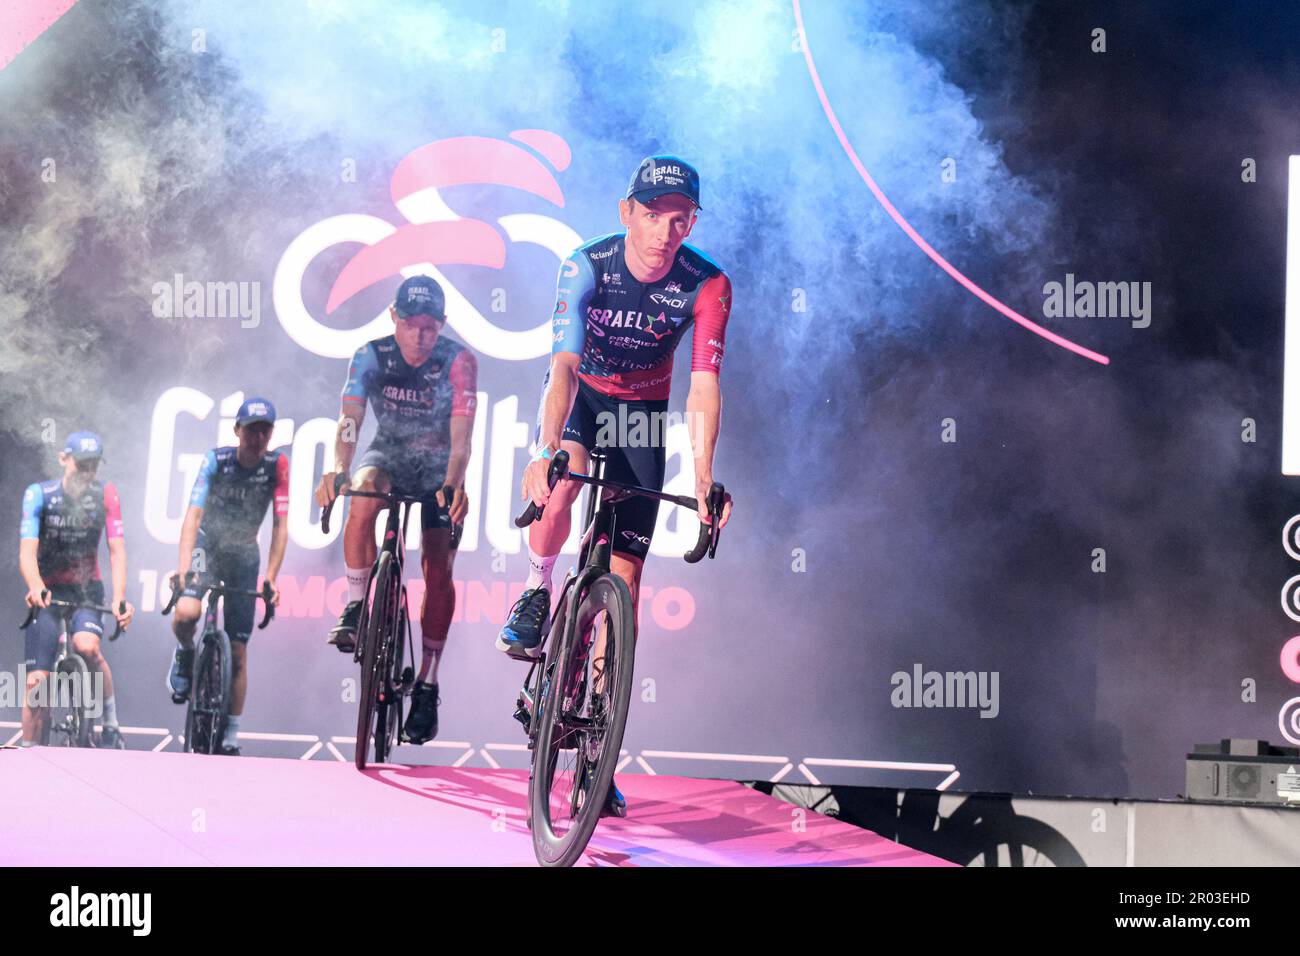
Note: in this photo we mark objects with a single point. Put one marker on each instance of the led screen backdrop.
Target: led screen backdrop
(1002, 397)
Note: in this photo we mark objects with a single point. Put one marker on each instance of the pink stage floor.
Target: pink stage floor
(61, 807)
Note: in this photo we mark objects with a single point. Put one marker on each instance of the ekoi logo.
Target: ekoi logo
(433, 236)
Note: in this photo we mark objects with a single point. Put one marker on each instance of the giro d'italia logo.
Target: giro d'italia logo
(432, 236)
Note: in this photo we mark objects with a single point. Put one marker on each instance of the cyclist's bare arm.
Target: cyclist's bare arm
(117, 561)
(703, 419)
(462, 428)
(351, 415)
(279, 542)
(189, 538)
(557, 403)
(30, 569)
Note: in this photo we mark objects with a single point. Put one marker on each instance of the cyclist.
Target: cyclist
(423, 387)
(234, 486)
(623, 303)
(58, 551)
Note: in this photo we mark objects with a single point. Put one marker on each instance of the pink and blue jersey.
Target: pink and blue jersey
(626, 331)
(414, 405)
(68, 527)
(234, 499)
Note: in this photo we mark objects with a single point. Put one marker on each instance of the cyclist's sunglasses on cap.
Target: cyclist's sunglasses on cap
(420, 295)
(84, 447)
(660, 175)
(255, 410)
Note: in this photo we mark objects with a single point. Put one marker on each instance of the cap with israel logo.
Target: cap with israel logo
(255, 410)
(84, 446)
(661, 175)
(420, 295)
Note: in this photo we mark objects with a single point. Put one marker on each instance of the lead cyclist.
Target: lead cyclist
(623, 303)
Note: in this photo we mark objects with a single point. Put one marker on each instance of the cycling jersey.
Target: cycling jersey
(414, 406)
(625, 330)
(67, 528)
(234, 498)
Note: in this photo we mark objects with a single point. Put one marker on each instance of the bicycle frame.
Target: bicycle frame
(599, 526)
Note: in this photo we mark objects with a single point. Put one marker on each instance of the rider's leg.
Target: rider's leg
(34, 718)
(40, 647)
(359, 548)
(238, 689)
(628, 567)
(436, 558)
(87, 644)
(185, 617)
(547, 536)
(239, 570)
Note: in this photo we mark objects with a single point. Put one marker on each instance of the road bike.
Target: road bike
(71, 704)
(384, 641)
(205, 717)
(575, 697)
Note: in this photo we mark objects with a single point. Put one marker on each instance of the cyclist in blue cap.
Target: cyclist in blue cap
(234, 488)
(58, 556)
(423, 388)
(623, 304)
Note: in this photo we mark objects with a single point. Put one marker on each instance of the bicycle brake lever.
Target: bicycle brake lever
(339, 481)
(270, 608)
(558, 469)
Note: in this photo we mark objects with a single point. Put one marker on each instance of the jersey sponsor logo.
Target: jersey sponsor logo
(633, 536)
(659, 327)
(681, 261)
(418, 396)
(601, 255)
(673, 287)
(569, 269)
(672, 175)
(715, 343)
(561, 306)
(650, 383)
(613, 278)
(725, 302)
(660, 298)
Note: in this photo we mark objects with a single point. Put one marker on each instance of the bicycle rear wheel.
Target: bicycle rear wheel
(582, 722)
(373, 719)
(205, 718)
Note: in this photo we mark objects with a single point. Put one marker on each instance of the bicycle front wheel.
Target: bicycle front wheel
(205, 718)
(584, 714)
(70, 704)
(372, 711)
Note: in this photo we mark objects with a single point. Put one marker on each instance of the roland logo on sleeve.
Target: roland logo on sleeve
(77, 909)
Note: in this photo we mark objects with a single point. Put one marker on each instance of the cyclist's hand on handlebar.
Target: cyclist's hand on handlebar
(535, 484)
(124, 617)
(325, 491)
(38, 597)
(275, 593)
(702, 504)
(459, 506)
